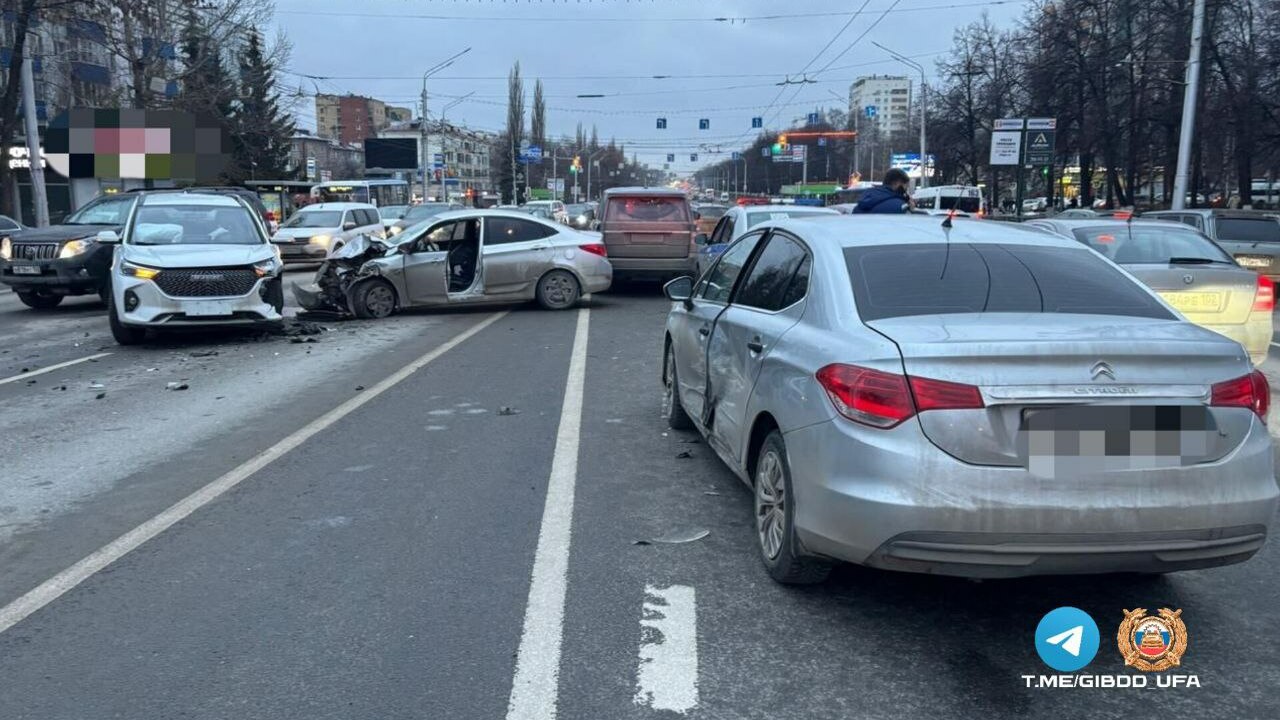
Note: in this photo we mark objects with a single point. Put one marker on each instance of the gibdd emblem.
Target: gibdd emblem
(1152, 642)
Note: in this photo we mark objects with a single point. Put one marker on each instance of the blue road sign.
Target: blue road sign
(671, 157)
(704, 124)
(871, 111)
(764, 152)
(822, 142)
(534, 153)
(757, 122)
(662, 123)
(813, 118)
(737, 155)
(693, 157)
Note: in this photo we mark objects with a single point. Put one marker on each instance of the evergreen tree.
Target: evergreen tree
(207, 90)
(263, 131)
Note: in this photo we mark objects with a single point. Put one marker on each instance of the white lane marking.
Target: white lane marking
(667, 677)
(53, 588)
(51, 368)
(535, 687)
(1275, 345)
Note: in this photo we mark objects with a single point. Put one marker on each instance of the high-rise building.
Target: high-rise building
(349, 119)
(889, 95)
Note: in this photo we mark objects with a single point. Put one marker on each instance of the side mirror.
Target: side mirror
(679, 290)
(700, 238)
(349, 225)
(108, 237)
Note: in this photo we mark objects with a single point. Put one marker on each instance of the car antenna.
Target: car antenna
(946, 232)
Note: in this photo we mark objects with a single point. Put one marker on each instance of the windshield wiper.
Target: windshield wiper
(1195, 261)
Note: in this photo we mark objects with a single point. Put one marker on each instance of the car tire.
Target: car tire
(40, 300)
(123, 334)
(774, 511)
(672, 411)
(373, 300)
(558, 290)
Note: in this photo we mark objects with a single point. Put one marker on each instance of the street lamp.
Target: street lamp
(590, 162)
(426, 165)
(924, 154)
(444, 151)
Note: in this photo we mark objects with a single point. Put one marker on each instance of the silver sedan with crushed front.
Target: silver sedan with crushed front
(966, 398)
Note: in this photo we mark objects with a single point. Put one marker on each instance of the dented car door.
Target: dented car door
(516, 253)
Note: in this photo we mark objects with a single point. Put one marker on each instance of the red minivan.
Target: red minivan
(649, 232)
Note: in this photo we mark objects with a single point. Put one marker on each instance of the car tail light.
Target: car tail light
(1247, 391)
(1264, 298)
(882, 399)
(595, 249)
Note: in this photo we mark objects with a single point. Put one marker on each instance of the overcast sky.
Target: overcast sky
(380, 49)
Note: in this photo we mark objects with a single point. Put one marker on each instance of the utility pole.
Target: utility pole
(1188, 108)
(426, 154)
(36, 163)
(924, 150)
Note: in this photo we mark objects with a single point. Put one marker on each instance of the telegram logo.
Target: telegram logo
(1067, 639)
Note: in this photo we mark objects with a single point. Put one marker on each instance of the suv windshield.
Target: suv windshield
(937, 279)
(315, 219)
(108, 211)
(1262, 229)
(1138, 244)
(194, 225)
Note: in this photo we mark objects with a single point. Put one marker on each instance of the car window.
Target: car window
(7, 223)
(755, 218)
(1261, 229)
(711, 212)
(648, 209)
(501, 231)
(194, 225)
(314, 219)
(1149, 243)
(799, 285)
(1192, 220)
(110, 211)
(724, 231)
(767, 284)
(720, 279)
(898, 280)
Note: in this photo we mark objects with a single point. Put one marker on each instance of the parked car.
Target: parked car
(980, 400)
(1192, 274)
(191, 259)
(417, 213)
(317, 230)
(649, 232)
(1251, 236)
(391, 213)
(738, 220)
(44, 265)
(467, 257)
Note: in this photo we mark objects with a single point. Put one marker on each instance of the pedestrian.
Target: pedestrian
(888, 197)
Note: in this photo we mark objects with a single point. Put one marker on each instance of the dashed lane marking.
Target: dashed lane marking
(667, 676)
(51, 368)
(535, 687)
(53, 588)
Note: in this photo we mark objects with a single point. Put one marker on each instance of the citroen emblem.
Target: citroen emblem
(1188, 279)
(1101, 369)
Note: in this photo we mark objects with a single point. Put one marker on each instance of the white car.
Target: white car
(555, 209)
(190, 258)
(317, 230)
(739, 220)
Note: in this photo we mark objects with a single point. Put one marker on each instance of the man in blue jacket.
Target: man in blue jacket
(889, 197)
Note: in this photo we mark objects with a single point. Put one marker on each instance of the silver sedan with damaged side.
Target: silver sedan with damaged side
(978, 400)
(458, 258)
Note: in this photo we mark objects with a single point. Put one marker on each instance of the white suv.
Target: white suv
(191, 258)
(317, 230)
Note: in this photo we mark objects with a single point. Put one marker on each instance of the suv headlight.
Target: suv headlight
(266, 268)
(6, 248)
(319, 240)
(73, 248)
(142, 272)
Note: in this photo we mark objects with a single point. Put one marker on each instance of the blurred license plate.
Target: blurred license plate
(1254, 261)
(205, 309)
(1194, 301)
(26, 269)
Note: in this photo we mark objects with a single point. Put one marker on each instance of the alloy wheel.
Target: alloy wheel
(771, 511)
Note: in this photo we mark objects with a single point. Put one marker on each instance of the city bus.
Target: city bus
(379, 193)
(280, 197)
(965, 198)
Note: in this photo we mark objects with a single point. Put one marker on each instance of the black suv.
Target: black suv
(44, 265)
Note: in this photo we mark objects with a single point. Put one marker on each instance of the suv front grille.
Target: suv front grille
(206, 282)
(35, 251)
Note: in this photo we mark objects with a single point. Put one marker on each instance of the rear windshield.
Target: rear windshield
(315, 219)
(648, 209)
(931, 279)
(1249, 229)
(755, 218)
(1138, 244)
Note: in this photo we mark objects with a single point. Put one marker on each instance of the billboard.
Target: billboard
(391, 153)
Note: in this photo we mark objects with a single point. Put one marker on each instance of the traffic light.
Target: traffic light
(780, 147)
(1045, 171)
(576, 167)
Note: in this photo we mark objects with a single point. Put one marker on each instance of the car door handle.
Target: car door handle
(704, 331)
(755, 346)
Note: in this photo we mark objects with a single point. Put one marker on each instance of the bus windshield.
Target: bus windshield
(343, 193)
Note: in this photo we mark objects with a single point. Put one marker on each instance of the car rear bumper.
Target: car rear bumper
(899, 503)
(652, 267)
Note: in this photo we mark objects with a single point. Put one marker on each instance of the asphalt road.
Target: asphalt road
(435, 516)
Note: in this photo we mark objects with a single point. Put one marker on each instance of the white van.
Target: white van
(317, 230)
(964, 198)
